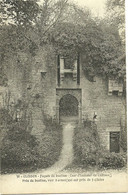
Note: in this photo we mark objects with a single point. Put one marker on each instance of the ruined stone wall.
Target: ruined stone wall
(110, 110)
(35, 80)
(42, 88)
(32, 79)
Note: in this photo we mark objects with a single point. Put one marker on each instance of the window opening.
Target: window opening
(114, 142)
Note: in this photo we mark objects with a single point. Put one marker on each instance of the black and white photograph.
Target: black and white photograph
(63, 112)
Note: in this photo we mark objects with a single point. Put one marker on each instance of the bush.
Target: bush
(18, 148)
(86, 144)
(50, 144)
(111, 161)
(88, 152)
(89, 159)
(50, 124)
(5, 117)
(17, 154)
(123, 142)
(22, 152)
(17, 132)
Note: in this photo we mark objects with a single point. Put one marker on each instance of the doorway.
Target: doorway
(68, 108)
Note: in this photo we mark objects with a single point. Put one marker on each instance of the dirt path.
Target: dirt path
(66, 156)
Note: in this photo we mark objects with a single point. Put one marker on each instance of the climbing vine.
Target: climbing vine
(98, 44)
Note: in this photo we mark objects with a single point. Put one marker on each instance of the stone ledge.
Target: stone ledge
(114, 129)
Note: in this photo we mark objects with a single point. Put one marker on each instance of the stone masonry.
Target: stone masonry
(40, 87)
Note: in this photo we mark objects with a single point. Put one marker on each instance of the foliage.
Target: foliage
(22, 151)
(21, 12)
(15, 39)
(70, 29)
(17, 153)
(50, 124)
(5, 117)
(50, 144)
(24, 28)
(49, 148)
(117, 10)
(17, 131)
(27, 23)
(98, 43)
(116, 16)
(86, 144)
(18, 147)
(50, 13)
(111, 161)
(88, 151)
(123, 142)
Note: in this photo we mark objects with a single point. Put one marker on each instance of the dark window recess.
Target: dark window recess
(68, 63)
(68, 76)
(78, 70)
(115, 142)
(115, 93)
(58, 70)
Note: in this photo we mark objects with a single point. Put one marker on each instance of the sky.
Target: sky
(97, 7)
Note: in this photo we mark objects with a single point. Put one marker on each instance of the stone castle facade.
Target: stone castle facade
(66, 94)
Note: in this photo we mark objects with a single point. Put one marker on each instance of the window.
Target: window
(68, 66)
(115, 87)
(114, 142)
(115, 93)
(69, 63)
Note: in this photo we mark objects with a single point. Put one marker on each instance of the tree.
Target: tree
(24, 27)
(98, 41)
(51, 13)
(116, 10)
(25, 23)
(68, 28)
(17, 21)
(116, 16)
(21, 12)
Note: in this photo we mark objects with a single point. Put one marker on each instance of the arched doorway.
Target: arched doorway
(68, 108)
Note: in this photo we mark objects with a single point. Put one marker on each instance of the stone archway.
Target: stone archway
(68, 108)
(75, 98)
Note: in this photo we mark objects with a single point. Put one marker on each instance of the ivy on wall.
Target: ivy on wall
(98, 44)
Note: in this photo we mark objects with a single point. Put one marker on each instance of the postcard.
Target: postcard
(63, 111)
